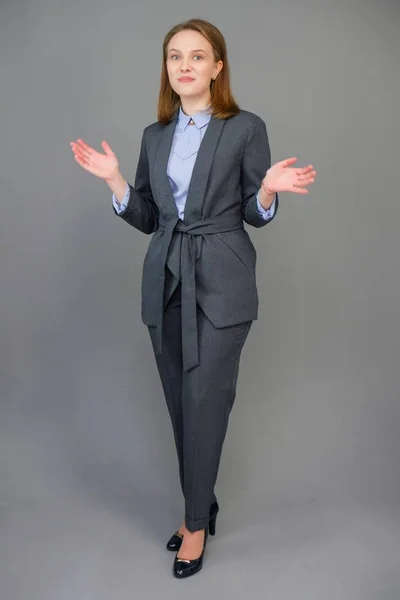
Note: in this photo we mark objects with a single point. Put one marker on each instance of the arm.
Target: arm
(137, 206)
(267, 213)
(255, 163)
(120, 206)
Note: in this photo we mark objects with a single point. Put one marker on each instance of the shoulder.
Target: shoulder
(153, 129)
(247, 120)
(246, 125)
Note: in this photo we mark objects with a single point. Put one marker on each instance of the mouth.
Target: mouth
(185, 79)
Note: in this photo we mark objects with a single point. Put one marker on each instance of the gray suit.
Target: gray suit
(199, 276)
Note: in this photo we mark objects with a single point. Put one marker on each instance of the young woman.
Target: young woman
(204, 168)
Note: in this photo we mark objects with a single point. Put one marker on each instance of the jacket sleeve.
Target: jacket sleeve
(141, 211)
(256, 161)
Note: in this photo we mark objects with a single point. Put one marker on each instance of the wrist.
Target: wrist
(267, 191)
(117, 185)
(115, 179)
(266, 198)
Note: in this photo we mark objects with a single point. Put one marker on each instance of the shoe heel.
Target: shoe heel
(211, 525)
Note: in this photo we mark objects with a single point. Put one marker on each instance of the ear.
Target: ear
(219, 66)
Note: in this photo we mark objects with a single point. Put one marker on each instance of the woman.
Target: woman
(204, 168)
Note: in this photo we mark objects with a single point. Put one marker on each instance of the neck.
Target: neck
(192, 105)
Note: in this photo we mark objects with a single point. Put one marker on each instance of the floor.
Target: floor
(70, 532)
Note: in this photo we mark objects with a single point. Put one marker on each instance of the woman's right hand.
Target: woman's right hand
(105, 166)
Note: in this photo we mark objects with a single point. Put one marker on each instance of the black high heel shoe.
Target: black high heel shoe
(175, 541)
(185, 568)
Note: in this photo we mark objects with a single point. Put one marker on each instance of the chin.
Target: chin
(186, 93)
(189, 94)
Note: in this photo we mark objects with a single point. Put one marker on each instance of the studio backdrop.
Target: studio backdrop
(82, 415)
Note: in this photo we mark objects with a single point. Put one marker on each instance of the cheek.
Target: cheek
(205, 71)
(172, 66)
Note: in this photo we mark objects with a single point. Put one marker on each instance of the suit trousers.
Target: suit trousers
(199, 401)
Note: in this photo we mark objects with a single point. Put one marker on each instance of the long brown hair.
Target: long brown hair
(223, 104)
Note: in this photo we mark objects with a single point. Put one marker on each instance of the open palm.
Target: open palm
(105, 166)
(281, 177)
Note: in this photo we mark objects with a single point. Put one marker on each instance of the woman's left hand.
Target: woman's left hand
(281, 177)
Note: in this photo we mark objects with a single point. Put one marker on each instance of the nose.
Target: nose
(185, 65)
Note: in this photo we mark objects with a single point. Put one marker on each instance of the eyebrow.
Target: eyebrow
(175, 50)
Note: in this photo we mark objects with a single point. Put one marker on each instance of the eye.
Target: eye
(173, 56)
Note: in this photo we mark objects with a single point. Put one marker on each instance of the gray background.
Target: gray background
(309, 483)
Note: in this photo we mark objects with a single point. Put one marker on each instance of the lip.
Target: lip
(185, 79)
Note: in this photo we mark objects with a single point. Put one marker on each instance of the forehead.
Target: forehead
(188, 40)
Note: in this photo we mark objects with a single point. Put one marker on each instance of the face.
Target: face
(191, 64)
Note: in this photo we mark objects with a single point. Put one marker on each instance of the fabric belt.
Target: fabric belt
(221, 224)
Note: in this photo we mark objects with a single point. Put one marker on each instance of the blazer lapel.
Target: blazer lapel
(201, 170)
(166, 197)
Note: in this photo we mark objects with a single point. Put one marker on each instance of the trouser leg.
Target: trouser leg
(170, 369)
(169, 366)
(208, 394)
(199, 403)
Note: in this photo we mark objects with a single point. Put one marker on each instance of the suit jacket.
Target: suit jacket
(210, 252)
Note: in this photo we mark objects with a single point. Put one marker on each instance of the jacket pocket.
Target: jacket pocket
(241, 246)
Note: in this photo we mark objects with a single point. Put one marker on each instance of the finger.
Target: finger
(81, 160)
(81, 155)
(107, 148)
(304, 170)
(303, 183)
(80, 149)
(300, 191)
(84, 145)
(85, 149)
(288, 161)
(306, 178)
